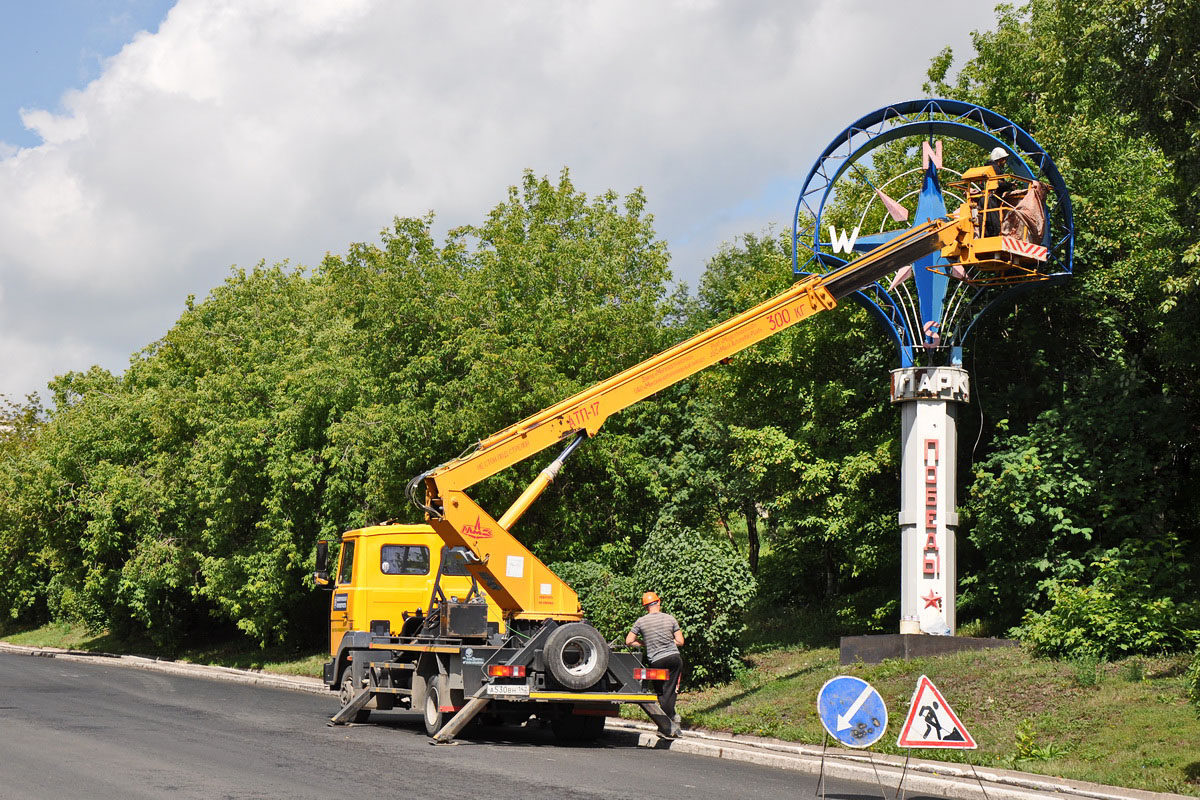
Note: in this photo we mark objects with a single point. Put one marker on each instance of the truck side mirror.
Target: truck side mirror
(321, 576)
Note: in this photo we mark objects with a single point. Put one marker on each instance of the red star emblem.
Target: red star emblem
(932, 600)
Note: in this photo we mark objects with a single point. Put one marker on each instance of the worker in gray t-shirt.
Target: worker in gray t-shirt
(662, 637)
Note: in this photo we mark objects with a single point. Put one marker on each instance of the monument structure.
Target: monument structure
(895, 168)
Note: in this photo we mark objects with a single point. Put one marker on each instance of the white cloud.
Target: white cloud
(25, 360)
(273, 130)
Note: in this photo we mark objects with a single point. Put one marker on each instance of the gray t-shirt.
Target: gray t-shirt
(658, 632)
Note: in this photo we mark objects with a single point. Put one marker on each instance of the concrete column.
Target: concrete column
(928, 399)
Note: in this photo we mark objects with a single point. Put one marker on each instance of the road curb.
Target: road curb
(950, 780)
(246, 676)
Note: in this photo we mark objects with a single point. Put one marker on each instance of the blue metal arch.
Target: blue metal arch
(1000, 132)
(956, 119)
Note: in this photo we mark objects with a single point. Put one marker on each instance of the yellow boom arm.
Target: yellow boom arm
(517, 580)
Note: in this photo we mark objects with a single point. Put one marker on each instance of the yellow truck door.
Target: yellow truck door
(341, 607)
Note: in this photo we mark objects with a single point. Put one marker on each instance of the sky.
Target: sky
(147, 146)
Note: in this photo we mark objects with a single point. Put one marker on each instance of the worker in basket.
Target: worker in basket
(996, 201)
(662, 637)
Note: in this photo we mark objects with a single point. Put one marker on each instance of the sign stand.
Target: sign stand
(980, 782)
(821, 775)
(942, 728)
(878, 782)
(903, 770)
(852, 712)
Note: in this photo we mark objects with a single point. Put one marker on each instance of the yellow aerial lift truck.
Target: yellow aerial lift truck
(409, 622)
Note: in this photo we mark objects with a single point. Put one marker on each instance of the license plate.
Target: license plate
(509, 689)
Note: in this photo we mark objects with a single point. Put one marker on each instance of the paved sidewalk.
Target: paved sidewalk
(920, 776)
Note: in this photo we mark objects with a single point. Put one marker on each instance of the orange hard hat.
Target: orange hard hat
(648, 598)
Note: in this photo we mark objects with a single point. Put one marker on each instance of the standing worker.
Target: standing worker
(662, 637)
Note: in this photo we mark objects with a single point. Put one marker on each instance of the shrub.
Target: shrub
(1029, 749)
(153, 590)
(70, 603)
(609, 600)
(1116, 616)
(707, 586)
(1026, 739)
(1192, 681)
(1087, 671)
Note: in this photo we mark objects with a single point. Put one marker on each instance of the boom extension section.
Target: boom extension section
(517, 581)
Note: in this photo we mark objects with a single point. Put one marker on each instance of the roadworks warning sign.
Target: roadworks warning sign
(931, 723)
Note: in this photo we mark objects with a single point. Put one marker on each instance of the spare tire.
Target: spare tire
(576, 655)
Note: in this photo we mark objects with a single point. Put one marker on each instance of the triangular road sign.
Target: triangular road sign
(931, 723)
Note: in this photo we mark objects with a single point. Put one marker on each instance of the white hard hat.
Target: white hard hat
(997, 154)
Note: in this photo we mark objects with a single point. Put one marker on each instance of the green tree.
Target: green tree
(25, 491)
(288, 406)
(552, 293)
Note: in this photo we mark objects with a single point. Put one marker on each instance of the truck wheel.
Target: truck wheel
(347, 694)
(437, 693)
(576, 655)
(578, 727)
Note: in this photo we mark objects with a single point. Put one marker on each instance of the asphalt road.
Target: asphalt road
(96, 730)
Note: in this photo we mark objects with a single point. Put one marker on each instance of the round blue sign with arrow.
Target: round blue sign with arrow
(852, 711)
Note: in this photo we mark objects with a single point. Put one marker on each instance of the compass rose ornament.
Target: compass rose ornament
(928, 308)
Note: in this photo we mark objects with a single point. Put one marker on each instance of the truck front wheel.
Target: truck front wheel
(347, 694)
(437, 696)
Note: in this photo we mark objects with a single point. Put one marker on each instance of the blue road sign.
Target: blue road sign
(852, 711)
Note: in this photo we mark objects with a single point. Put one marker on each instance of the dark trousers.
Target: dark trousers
(669, 689)
(992, 215)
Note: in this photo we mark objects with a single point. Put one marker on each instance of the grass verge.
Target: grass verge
(1125, 724)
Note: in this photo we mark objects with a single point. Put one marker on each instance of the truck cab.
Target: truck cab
(383, 584)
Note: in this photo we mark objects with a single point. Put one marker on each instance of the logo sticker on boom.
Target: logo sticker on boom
(477, 531)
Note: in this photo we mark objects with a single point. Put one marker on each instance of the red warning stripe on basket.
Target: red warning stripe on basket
(1014, 245)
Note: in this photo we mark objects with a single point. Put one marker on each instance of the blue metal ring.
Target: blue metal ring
(954, 119)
